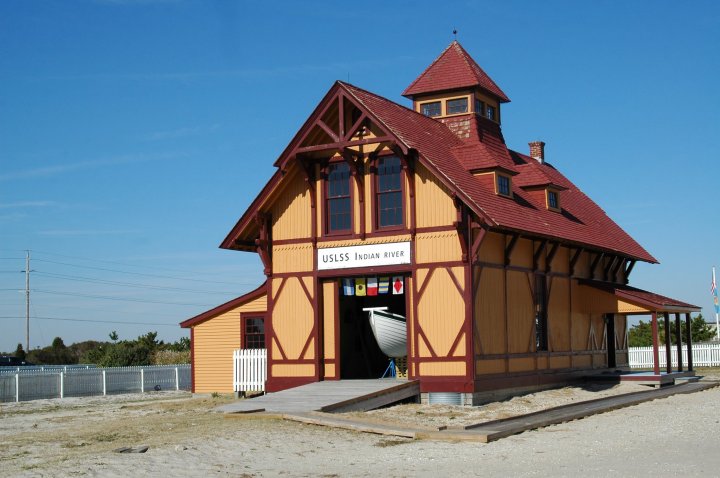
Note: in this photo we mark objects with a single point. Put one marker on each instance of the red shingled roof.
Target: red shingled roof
(649, 300)
(453, 69)
(227, 306)
(581, 220)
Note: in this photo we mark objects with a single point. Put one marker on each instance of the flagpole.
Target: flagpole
(717, 320)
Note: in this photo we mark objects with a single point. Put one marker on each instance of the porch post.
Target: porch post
(656, 346)
(668, 343)
(678, 341)
(688, 339)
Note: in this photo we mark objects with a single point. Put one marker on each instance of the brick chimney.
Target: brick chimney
(537, 151)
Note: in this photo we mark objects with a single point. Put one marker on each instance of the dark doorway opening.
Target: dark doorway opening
(360, 356)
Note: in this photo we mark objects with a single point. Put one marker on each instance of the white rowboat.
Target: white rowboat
(390, 331)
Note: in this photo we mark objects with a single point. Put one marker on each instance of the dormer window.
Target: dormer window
(502, 184)
(553, 200)
(479, 107)
(457, 106)
(431, 109)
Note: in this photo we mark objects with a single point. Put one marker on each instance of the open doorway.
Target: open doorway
(360, 355)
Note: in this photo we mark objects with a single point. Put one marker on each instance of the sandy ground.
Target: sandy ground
(75, 437)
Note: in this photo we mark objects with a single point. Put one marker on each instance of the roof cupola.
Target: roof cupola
(454, 85)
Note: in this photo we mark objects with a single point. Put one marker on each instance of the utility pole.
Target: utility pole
(27, 301)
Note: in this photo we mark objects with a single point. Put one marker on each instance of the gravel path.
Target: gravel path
(668, 437)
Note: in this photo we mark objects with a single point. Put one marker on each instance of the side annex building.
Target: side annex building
(507, 274)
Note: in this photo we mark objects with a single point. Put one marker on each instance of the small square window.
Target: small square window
(490, 112)
(431, 109)
(457, 106)
(503, 185)
(553, 200)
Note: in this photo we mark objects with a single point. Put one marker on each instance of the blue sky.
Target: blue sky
(134, 133)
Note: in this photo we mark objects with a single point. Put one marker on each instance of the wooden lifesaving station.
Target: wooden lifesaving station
(507, 274)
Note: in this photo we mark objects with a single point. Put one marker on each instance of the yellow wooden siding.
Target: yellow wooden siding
(490, 312)
(621, 332)
(561, 261)
(560, 362)
(430, 369)
(441, 309)
(582, 361)
(292, 318)
(521, 364)
(522, 254)
(329, 371)
(213, 344)
(293, 258)
(520, 313)
(329, 300)
(485, 367)
(492, 248)
(559, 314)
(599, 328)
(437, 247)
(369, 240)
(291, 211)
(582, 266)
(293, 370)
(434, 205)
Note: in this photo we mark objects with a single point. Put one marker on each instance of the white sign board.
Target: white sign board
(371, 255)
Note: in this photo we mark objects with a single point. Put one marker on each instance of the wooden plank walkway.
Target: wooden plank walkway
(491, 431)
(329, 396)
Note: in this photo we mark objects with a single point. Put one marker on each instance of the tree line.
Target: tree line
(640, 335)
(145, 350)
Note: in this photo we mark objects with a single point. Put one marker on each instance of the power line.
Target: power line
(123, 263)
(123, 299)
(127, 284)
(138, 273)
(97, 321)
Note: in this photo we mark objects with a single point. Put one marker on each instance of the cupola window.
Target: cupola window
(457, 106)
(431, 109)
(490, 112)
(479, 107)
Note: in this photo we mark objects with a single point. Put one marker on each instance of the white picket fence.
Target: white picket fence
(33, 383)
(704, 355)
(249, 370)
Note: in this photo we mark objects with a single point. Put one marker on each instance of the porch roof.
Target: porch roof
(634, 301)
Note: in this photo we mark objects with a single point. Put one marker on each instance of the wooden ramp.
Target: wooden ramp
(495, 430)
(329, 396)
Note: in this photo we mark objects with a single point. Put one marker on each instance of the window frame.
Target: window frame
(479, 107)
(548, 194)
(440, 106)
(460, 98)
(376, 195)
(498, 191)
(244, 317)
(488, 110)
(326, 200)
